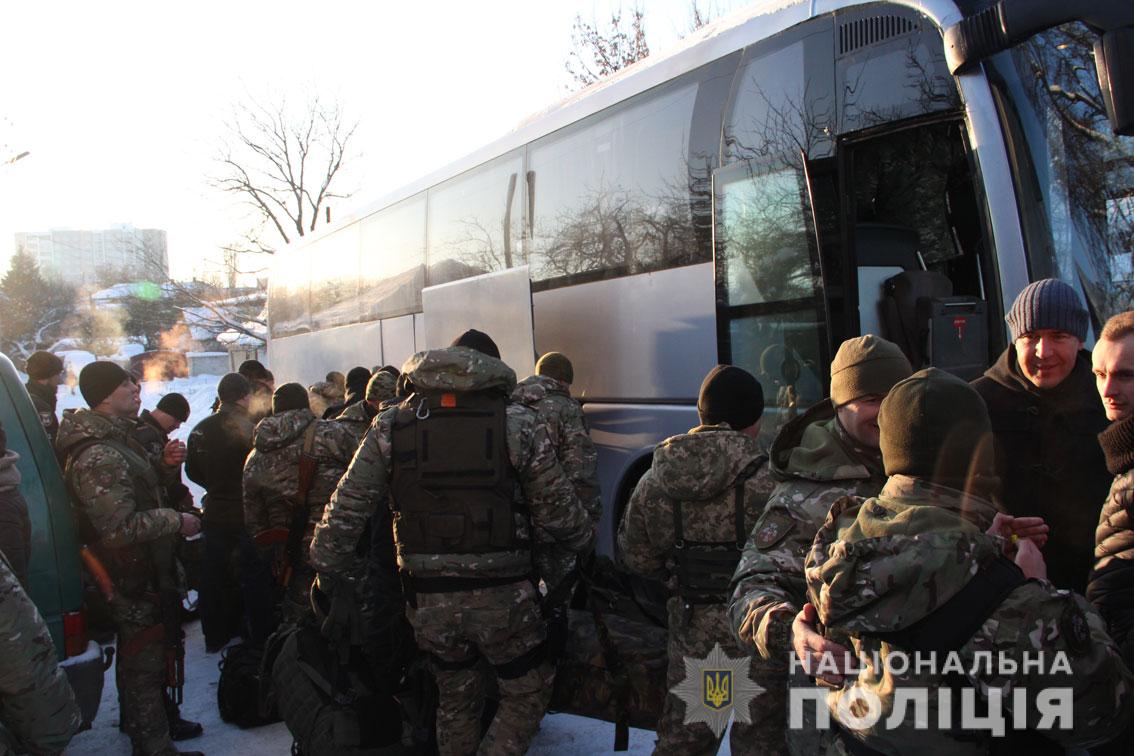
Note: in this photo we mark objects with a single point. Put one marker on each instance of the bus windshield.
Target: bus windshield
(1074, 178)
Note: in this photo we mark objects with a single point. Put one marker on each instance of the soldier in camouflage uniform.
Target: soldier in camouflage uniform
(357, 417)
(548, 392)
(38, 713)
(464, 607)
(829, 452)
(118, 495)
(271, 481)
(703, 493)
(924, 567)
(152, 432)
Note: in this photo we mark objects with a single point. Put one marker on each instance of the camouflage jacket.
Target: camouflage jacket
(356, 419)
(37, 708)
(700, 469)
(816, 463)
(271, 473)
(113, 479)
(542, 484)
(882, 564)
(563, 416)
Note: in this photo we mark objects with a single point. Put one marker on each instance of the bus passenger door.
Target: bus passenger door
(771, 313)
(499, 304)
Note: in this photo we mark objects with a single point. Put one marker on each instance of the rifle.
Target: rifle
(169, 612)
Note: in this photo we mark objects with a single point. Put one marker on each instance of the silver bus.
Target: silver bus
(789, 176)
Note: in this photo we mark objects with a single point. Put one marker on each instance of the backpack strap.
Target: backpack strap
(951, 625)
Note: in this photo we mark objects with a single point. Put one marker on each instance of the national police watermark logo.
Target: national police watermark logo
(716, 688)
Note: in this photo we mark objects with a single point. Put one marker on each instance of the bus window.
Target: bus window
(290, 292)
(1074, 178)
(392, 262)
(771, 315)
(611, 194)
(467, 232)
(334, 280)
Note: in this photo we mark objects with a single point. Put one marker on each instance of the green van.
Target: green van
(54, 575)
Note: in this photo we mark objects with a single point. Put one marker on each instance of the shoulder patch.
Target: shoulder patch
(771, 528)
(1074, 628)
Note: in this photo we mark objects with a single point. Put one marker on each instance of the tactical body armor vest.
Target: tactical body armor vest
(704, 569)
(453, 487)
(133, 568)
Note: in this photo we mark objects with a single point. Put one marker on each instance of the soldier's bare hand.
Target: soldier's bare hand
(190, 525)
(823, 659)
(173, 453)
(1014, 529)
(1030, 560)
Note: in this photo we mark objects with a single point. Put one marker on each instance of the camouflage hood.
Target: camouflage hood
(537, 387)
(814, 446)
(884, 563)
(703, 462)
(277, 431)
(458, 369)
(82, 424)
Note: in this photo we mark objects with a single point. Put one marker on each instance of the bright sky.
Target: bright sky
(121, 104)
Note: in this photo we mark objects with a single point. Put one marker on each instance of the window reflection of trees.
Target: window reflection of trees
(1091, 177)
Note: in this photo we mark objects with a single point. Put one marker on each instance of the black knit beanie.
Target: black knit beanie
(253, 370)
(43, 365)
(730, 395)
(98, 380)
(290, 396)
(357, 379)
(174, 405)
(934, 426)
(1048, 304)
(478, 340)
(233, 387)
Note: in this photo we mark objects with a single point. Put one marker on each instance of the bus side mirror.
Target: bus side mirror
(1114, 61)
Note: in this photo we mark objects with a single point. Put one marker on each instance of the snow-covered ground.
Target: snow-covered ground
(559, 733)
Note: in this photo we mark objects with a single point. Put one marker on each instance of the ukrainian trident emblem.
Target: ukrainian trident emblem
(716, 688)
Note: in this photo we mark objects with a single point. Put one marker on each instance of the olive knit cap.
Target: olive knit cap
(931, 426)
(556, 365)
(866, 366)
(43, 365)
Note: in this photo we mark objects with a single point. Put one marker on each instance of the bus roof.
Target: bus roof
(730, 33)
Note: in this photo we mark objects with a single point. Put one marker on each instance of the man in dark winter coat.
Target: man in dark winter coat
(1112, 583)
(152, 432)
(217, 449)
(45, 374)
(1045, 418)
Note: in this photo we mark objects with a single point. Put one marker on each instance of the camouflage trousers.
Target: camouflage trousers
(499, 625)
(693, 632)
(141, 678)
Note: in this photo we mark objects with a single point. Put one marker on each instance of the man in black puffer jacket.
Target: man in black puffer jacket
(1112, 583)
(1045, 418)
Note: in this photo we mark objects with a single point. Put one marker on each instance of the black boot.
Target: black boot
(183, 729)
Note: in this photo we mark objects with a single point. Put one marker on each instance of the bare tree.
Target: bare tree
(598, 52)
(283, 161)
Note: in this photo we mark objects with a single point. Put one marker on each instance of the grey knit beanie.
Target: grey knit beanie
(1048, 304)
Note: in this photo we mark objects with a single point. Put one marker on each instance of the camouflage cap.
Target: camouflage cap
(556, 365)
(381, 386)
